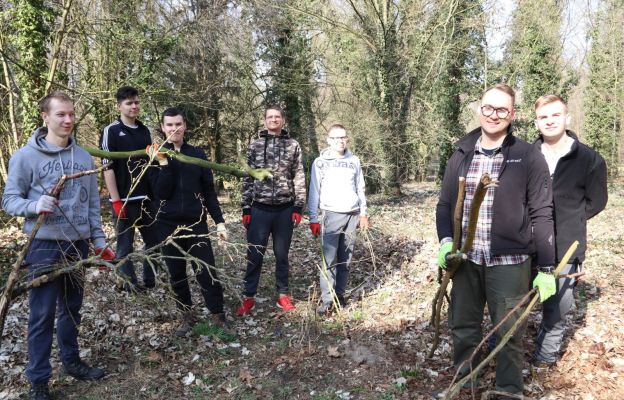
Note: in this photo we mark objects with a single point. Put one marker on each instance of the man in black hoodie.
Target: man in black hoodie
(579, 181)
(515, 221)
(186, 192)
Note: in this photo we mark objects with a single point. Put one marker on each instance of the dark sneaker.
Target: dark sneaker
(324, 308)
(185, 326)
(221, 322)
(39, 391)
(246, 307)
(283, 302)
(82, 371)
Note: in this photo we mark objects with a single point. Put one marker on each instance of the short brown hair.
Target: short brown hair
(274, 107)
(505, 88)
(336, 126)
(549, 99)
(44, 104)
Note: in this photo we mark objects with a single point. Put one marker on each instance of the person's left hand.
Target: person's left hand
(222, 233)
(296, 218)
(546, 285)
(364, 222)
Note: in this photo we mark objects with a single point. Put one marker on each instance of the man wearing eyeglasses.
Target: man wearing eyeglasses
(337, 188)
(515, 222)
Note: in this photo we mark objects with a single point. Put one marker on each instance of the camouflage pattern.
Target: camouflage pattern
(282, 156)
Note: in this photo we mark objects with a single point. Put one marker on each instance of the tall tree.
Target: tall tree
(604, 92)
(532, 62)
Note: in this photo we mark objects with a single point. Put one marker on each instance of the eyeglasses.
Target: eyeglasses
(501, 112)
(338, 138)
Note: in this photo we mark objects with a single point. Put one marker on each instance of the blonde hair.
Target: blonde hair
(505, 88)
(549, 99)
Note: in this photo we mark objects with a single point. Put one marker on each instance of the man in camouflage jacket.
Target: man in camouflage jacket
(272, 207)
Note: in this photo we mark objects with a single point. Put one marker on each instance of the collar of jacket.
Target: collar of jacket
(169, 145)
(138, 123)
(265, 134)
(467, 143)
(540, 139)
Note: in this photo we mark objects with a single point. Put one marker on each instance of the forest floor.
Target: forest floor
(374, 349)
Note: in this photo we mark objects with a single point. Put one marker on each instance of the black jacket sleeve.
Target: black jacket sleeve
(448, 197)
(596, 193)
(540, 207)
(210, 195)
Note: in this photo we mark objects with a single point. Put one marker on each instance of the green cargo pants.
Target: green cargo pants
(501, 287)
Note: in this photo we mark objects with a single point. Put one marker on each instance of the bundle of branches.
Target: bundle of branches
(455, 258)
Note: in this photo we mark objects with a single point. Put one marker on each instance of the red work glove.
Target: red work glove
(246, 220)
(315, 227)
(118, 209)
(106, 254)
(296, 218)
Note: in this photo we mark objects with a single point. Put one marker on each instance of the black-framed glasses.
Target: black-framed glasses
(501, 112)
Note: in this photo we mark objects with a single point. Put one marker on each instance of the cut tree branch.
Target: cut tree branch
(259, 174)
(455, 259)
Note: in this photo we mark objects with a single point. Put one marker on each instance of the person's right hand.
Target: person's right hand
(119, 210)
(246, 220)
(154, 154)
(45, 204)
(315, 227)
(444, 250)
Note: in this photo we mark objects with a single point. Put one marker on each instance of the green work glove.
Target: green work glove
(444, 250)
(546, 285)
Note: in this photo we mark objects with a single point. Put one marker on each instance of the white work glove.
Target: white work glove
(45, 204)
(222, 233)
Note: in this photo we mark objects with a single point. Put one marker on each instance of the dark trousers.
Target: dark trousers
(62, 296)
(501, 287)
(197, 245)
(550, 335)
(139, 216)
(278, 224)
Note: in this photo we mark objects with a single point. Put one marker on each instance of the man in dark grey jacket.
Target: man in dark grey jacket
(515, 221)
(579, 180)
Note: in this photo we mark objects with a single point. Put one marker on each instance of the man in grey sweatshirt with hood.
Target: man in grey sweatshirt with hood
(337, 188)
(71, 220)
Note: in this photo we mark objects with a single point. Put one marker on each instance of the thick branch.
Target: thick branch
(454, 259)
(259, 174)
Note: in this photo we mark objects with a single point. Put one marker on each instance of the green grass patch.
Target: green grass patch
(207, 329)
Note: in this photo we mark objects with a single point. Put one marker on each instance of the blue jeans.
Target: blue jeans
(550, 335)
(277, 223)
(138, 216)
(63, 295)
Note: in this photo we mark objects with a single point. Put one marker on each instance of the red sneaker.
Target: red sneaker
(246, 307)
(283, 302)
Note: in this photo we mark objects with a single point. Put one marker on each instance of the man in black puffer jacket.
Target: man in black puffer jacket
(186, 192)
(579, 180)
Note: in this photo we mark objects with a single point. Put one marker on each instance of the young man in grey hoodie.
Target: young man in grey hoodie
(337, 188)
(71, 220)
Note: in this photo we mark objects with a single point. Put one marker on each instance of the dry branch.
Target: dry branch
(455, 259)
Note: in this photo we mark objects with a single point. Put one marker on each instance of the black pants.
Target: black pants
(138, 216)
(277, 223)
(198, 246)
